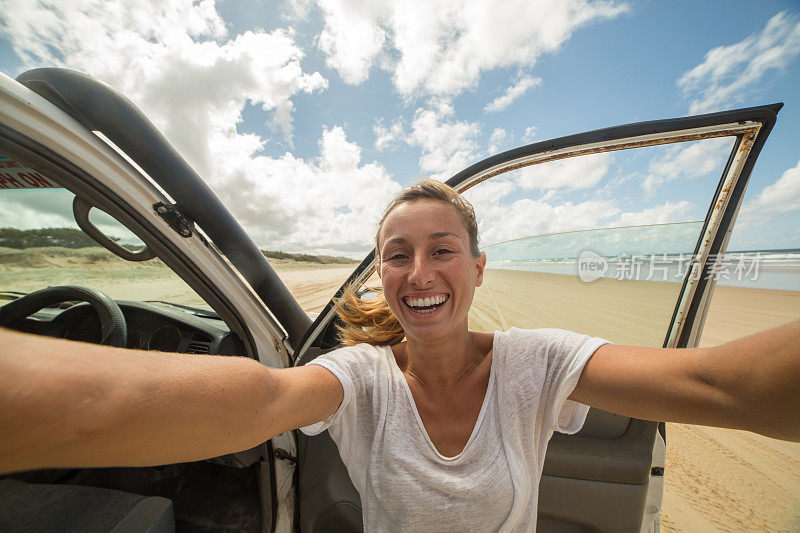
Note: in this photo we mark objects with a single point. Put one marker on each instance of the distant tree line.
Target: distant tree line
(322, 259)
(75, 238)
(33, 238)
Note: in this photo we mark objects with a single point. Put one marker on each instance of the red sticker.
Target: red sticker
(15, 176)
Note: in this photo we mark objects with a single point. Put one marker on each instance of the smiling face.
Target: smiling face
(427, 270)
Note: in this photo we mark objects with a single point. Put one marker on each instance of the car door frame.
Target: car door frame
(750, 128)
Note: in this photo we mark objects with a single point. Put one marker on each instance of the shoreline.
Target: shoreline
(624, 312)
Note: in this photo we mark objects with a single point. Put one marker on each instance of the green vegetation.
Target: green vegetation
(34, 238)
(74, 238)
(321, 259)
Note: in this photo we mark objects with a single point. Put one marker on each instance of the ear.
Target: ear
(480, 265)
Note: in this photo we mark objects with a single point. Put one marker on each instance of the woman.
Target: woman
(426, 425)
(459, 420)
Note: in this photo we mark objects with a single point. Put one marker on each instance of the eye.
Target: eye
(441, 251)
(395, 257)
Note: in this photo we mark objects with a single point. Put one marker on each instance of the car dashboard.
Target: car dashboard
(150, 325)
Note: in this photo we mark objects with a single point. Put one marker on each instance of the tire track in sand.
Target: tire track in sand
(732, 479)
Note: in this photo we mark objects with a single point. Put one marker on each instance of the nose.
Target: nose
(422, 272)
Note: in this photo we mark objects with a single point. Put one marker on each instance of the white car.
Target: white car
(73, 144)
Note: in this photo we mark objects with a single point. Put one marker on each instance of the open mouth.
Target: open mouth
(426, 305)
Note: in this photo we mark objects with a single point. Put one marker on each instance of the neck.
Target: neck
(443, 362)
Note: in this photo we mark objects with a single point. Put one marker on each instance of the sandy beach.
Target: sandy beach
(716, 480)
(313, 284)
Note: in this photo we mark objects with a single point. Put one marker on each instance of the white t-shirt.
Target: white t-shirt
(405, 484)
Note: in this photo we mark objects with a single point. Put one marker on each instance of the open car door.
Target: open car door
(642, 277)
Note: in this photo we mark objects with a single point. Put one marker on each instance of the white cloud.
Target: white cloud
(686, 161)
(441, 47)
(572, 173)
(330, 204)
(489, 192)
(728, 73)
(295, 10)
(503, 215)
(512, 93)
(526, 217)
(387, 138)
(172, 60)
(529, 135)
(500, 222)
(662, 214)
(350, 38)
(497, 139)
(33, 209)
(777, 198)
(80, 30)
(179, 65)
(448, 146)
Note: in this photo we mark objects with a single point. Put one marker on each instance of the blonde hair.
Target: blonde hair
(370, 320)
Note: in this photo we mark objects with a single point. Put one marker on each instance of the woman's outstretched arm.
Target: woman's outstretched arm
(752, 383)
(72, 404)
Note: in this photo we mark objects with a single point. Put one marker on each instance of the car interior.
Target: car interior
(232, 492)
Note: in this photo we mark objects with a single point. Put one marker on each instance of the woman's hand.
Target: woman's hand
(752, 383)
(72, 404)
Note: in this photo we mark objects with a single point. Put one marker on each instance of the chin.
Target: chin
(432, 333)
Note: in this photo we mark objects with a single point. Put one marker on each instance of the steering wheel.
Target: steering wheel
(114, 330)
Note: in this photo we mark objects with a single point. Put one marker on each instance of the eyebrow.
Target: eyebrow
(431, 237)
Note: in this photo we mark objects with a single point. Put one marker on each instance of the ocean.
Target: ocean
(755, 269)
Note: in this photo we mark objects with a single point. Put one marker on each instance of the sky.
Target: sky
(306, 116)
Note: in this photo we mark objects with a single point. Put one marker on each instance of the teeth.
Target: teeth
(426, 302)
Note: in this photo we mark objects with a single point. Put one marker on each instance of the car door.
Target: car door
(636, 268)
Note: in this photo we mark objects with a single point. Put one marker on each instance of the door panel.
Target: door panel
(563, 240)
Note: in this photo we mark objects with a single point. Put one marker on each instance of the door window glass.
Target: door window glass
(598, 243)
(41, 245)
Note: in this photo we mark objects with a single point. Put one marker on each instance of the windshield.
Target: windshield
(312, 279)
(41, 245)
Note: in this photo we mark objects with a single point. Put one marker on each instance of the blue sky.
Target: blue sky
(306, 116)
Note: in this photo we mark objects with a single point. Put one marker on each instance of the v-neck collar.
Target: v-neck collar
(481, 414)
